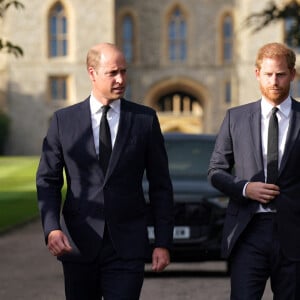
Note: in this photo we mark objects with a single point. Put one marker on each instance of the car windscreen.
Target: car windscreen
(189, 158)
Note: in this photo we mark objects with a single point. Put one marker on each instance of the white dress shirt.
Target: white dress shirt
(113, 117)
(283, 115)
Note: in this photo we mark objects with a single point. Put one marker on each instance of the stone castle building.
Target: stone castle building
(189, 59)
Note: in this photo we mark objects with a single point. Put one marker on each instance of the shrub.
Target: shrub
(4, 129)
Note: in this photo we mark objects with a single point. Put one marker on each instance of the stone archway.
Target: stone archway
(180, 104)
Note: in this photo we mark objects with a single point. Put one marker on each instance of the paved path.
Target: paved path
(29, 272)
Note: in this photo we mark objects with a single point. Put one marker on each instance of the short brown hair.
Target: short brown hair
(94, 54)
(93, 58)
(273, 50)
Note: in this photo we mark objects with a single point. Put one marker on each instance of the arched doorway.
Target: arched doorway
(180, 105)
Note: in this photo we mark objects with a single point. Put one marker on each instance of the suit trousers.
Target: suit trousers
(256, 258)
(108, 278)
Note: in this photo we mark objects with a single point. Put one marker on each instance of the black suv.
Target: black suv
(199, 208)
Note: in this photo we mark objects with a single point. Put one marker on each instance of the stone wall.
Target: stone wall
(23, 87)
(90, 22)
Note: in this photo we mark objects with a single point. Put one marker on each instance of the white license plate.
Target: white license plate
(180, 232)
(151, 235)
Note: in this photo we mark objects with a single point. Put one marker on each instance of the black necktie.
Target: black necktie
(105, 146)
(272, 151)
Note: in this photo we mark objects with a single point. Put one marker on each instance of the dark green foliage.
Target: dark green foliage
(10, 48)
(4, 44)
(4, 129)
(273, 13)
(5, 4)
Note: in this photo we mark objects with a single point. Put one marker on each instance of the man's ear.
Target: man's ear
(92, 73)
(257, 73)
(293, 73)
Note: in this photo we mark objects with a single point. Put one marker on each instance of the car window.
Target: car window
(189, 158)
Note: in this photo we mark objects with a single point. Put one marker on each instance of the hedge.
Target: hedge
(4, 129)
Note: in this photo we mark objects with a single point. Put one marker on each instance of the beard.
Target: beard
(275, 94)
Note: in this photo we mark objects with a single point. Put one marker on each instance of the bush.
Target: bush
(4, 129)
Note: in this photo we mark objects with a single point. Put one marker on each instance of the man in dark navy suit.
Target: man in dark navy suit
(256, 161)
(101, 234)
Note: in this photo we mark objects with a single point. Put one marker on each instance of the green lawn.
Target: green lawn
(17, 190)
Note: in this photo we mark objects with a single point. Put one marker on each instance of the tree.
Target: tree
(4, 130)
(4, 44)
(290, 13)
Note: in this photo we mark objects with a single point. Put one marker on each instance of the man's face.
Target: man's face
(274, 79)
(109, 80)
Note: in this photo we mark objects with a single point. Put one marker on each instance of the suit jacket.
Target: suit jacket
(237, 159)
(116, 200)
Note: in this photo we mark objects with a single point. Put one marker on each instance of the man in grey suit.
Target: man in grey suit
(261, 234)
(101, 237)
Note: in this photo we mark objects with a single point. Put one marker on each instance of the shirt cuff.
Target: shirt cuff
(244, 189)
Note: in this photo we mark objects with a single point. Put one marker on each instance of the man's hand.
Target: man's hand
(262, 192)
(58, 243)
(160, 259)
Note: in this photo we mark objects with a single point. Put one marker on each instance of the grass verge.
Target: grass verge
(18, 202)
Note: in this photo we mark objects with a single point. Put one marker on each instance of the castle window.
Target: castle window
(227, 39)
(290, 27)
(128, 38)
(177, 36)
(58, 88)
(58, 30)
(228, 92)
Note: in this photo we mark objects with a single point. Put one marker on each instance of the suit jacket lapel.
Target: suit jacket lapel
(85, 123)
(125, 124)
(255, 133)
(293, 133)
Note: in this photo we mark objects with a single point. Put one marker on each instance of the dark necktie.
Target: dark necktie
(105, 146)
(272, 151)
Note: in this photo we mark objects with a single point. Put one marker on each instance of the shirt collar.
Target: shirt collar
(284, 107)
(96, 105)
